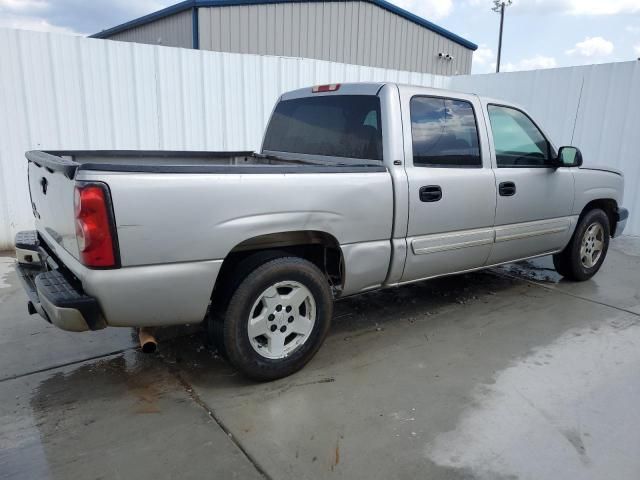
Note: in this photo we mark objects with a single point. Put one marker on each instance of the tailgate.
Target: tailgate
(51, 185)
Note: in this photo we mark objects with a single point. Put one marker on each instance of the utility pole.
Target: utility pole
(499, 6)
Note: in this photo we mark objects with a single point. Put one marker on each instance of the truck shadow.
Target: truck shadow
(421, 303)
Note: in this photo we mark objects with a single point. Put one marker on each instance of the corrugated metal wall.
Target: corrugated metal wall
(59, 91)
(358, 33)
(173, 31)
(595, 107)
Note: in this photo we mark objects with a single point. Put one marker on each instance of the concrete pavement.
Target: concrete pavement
(508, 373)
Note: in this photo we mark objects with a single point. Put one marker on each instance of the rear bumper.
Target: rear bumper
(56, 296)
(622, 216)
(175, 293)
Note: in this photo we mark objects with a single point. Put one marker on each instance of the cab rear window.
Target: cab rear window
(345, 126)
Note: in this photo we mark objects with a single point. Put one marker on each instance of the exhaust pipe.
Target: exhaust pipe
(148, 342)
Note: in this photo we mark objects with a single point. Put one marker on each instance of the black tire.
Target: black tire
(229, 284)
(568, 263)
(235, 338)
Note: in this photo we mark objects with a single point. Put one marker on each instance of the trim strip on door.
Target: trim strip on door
(441, 242)
(517, 231)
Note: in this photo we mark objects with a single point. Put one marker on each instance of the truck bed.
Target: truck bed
(69, 162)
(157, 194)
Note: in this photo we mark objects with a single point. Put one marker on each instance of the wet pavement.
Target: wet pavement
(504, 374)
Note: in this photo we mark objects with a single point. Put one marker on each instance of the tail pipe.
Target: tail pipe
(148, 342)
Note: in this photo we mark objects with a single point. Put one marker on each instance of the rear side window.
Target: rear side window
(444, 133)
(335, 126)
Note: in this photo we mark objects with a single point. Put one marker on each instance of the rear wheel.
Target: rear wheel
(276, 319)
(584, 255)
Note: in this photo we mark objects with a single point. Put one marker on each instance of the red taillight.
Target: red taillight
(93, 226)
(326, 88)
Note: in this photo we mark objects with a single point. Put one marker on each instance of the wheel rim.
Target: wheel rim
(592, 245)
(281, 319)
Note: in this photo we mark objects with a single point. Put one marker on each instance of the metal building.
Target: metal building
(374, 33)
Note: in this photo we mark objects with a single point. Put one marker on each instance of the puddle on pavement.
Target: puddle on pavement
(539, 269)
(126, 416)
(564, 402)
(416, 301)
(62, 422)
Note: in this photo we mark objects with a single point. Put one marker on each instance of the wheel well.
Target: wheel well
(609, 206)
(320, 248)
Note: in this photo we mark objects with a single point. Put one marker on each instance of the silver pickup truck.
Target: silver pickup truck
(357, 187)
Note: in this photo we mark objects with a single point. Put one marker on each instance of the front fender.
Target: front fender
(593, 185)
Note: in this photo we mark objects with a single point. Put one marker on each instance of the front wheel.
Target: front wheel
(584, 255)
(277, 318)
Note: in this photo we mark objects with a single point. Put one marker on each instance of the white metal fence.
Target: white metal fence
(59, 91)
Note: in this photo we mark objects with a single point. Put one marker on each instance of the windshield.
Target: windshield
(344, 126)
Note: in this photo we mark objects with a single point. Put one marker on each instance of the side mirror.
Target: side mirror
(569, 157)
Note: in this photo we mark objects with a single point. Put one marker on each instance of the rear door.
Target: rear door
(534, 200)
(452, 190)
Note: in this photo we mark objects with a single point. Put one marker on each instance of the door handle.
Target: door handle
(430, 193)
(507, 189)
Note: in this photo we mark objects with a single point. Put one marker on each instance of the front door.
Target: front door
(534, 199)
(452, 192)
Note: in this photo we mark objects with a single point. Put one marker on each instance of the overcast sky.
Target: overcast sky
(538, 33)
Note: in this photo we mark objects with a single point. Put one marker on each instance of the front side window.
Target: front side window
(444, 133)
(345, 126)
(517, 140)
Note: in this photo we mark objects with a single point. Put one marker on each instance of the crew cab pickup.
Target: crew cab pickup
(357, 187)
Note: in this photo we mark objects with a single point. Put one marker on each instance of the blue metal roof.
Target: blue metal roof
(188, 4)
